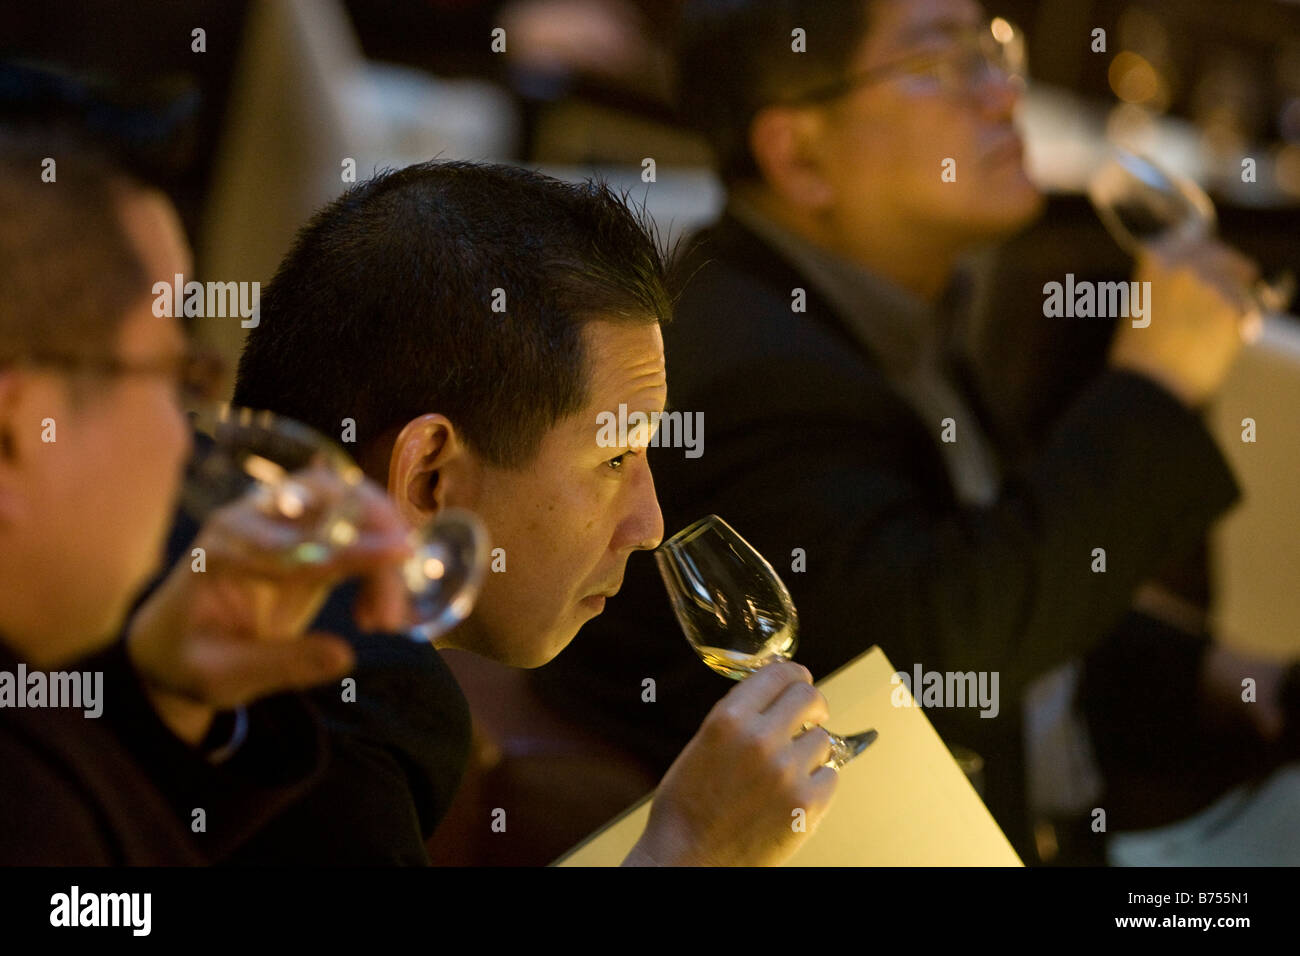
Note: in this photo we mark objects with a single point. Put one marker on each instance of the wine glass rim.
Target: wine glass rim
(692, 531)
(212, 414)
(1142, 166)
(1152, 174)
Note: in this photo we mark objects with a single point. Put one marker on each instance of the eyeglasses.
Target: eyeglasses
(996, 49)
(198, 373)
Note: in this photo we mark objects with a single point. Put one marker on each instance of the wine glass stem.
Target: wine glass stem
(844, 749)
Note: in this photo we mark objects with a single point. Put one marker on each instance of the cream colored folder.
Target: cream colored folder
(902, 802)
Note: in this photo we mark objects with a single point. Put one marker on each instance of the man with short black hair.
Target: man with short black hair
(475, 323)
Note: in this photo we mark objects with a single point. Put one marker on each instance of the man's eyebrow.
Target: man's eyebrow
(652, 422)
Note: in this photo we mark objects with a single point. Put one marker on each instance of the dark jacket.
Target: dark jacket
(400, 745)
(399, 741)
(120, 789)
(808, 446)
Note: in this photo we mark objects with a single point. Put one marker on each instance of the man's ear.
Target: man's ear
(428, 457)
(784, 141)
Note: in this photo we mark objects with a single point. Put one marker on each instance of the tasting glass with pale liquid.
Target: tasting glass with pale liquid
(734, 609)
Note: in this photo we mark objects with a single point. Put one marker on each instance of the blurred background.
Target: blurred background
(252, 114)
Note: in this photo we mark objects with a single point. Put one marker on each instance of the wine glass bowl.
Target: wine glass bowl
(723, 597)
(734, 608)
(1139, 202)
(240, 451)
(445, 574)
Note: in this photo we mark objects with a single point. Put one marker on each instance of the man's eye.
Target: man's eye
(616, 463)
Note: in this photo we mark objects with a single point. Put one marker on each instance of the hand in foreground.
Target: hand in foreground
(220, 638)
(1198, 315)
(730, 797)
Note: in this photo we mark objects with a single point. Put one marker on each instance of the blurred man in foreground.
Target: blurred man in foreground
(92, 440)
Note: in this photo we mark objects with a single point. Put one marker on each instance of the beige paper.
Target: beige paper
(902, 802)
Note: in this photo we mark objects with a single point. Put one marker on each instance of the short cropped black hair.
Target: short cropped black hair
(383, 310)
(735, 57)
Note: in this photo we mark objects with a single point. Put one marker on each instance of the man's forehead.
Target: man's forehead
(624, 359)
(151, 223)
(626, 368)
(905, 23)
(143, 334)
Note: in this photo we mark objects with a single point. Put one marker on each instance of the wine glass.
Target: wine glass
(734, 608)
(1139, 202)
(241, 449)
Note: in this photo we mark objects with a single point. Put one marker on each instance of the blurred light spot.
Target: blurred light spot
(434, 569)
(1132, 78)
(291, 500)
(1002, 31)
(343, 534)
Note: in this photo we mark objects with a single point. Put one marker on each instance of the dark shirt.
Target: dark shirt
(399, 751)
(120, 789)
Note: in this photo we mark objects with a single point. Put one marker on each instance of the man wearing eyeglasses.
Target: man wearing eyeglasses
(188, 744)
(866, 147)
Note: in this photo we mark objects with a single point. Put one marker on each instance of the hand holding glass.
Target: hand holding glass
(238, 449)
(1140, 203)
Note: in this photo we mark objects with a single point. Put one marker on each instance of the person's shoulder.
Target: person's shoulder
(729, 245)
(47, 817)
(401, 695)
(726, 257)
(71, 795)
(399, 686)
(402, 717)
(741, 310)
(752, 339)
(398, 670)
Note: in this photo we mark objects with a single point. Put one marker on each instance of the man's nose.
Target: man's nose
(999, 93)
(643, 529)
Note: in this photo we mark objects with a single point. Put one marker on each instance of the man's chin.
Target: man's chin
(588, 608)
(526, 651)
(551, 649)
(1004, 207)
(1021, 194)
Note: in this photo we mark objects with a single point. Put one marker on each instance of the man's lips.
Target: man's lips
(597, 598)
